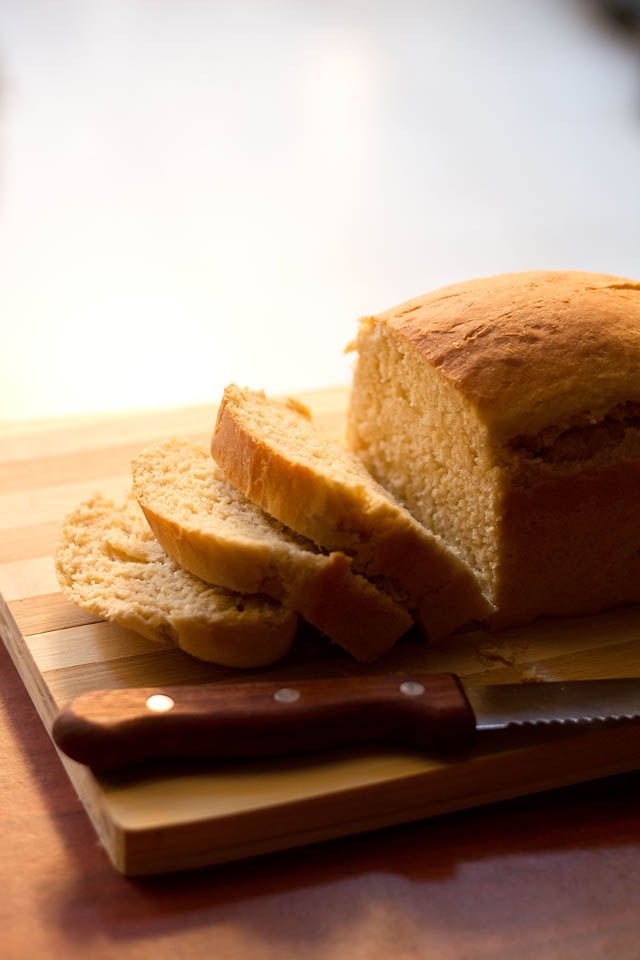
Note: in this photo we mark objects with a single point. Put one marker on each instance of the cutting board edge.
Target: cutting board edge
(513, 773)
(26, 666)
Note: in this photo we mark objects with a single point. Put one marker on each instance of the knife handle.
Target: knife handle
(110, 729)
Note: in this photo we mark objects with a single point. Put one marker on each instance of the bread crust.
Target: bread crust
(570, 546)
(530, 349)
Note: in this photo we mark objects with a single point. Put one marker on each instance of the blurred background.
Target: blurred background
(198, 192)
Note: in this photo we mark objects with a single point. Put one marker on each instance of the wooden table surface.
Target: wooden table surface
(548, 876)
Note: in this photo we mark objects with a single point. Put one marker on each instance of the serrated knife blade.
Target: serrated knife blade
(110, 729)
(497, 706)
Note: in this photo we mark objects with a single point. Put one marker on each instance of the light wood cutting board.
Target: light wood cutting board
(178, 817)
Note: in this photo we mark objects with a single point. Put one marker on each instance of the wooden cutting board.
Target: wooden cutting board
(173, 817)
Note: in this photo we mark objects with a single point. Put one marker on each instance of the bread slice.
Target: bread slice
(109, 563)
(273, 453)
(211, 529)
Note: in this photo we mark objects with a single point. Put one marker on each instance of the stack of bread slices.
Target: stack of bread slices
(223, 550)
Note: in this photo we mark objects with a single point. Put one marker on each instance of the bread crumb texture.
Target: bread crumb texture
(110, 564)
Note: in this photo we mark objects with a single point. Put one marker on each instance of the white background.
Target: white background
(198, 192)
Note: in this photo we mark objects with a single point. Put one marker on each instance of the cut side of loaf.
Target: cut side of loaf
(109, 563)
(273, 453)
(210, 528)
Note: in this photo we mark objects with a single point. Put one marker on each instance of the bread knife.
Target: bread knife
(438, 713)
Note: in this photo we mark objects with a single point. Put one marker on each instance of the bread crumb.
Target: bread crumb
(532, 675)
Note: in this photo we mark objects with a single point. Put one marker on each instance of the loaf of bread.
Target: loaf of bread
(272, 452)
(211, 529)
(110, 564)
(505, 413)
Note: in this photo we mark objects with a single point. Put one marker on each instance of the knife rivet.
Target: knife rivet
(286, 695)
(411, 688)
(159, 703)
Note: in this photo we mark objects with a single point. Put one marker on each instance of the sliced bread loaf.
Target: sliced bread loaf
(272, 452)
(110, 564)
(211, 529)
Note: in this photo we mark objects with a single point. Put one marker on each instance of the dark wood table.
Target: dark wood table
(549, 876)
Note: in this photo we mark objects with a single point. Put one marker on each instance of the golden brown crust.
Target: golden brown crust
(284, 489)
(529, 350)
(349, 609)
(570, 545)
(232, 645)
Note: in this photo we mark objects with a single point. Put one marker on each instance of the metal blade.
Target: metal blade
(497, 706)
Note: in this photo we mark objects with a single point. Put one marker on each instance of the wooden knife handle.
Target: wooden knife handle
(110, 729)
